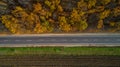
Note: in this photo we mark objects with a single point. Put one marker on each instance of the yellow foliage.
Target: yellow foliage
(11, 23)
(81, 4)
(75, 15)
(63, 25)
(100, 24)
(118, 26)
(104, 14)
(38, 29)
(91, 3)
(43, 27)
(30, 21)
(31, 17)
(104, 2)
(43, 12)
(82, 25)
(57, 2)
(116, 11)
(19, 12)
(60, 9)
(48, 14)
(42, 18)
(100, 8)
(37, 7)
(82, 13)
(48, 3)
(51, 20)
(18, 8)
(22, 22)
(91, 11)
(112, 24)
(53, 4)
(77, 20)
(52, 8)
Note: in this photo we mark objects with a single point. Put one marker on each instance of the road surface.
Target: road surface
(61, 40)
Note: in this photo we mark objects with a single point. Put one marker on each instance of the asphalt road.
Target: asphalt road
(103, 40)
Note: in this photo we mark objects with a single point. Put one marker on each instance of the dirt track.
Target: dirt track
(59, 61)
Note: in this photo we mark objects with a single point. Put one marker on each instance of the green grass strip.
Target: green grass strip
(60, 50)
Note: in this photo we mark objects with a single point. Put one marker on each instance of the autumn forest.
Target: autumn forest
(61, 16)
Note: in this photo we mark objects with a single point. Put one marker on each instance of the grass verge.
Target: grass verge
(60, 50)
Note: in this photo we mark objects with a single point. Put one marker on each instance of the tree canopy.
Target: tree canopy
(44, 16)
